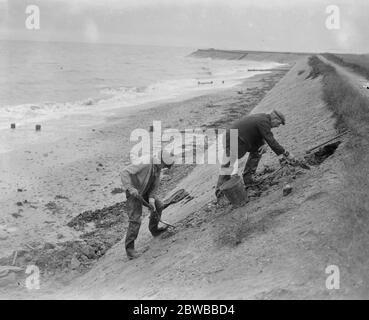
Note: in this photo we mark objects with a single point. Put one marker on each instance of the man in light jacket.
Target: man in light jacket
(143, 180)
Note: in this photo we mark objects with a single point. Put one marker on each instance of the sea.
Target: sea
(41, 81)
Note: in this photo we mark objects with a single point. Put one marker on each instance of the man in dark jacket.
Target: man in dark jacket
(253, 132)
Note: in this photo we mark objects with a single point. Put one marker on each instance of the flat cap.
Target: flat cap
(280, 115)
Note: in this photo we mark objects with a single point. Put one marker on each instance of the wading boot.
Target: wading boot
(159, 231)
(132, 253)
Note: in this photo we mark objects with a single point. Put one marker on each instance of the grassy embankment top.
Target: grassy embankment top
(351, 110)
(357, 63)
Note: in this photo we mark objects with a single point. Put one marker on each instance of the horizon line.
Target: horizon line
(196, 48)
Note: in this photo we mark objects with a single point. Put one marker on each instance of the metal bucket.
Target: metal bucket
(234, 190)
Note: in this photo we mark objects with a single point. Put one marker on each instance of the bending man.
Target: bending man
(253, 132)
(142, 180)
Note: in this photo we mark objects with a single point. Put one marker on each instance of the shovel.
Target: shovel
(148, 205)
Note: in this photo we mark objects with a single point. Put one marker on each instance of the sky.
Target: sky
(268, 25)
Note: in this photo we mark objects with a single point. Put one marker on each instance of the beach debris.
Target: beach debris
(15, 257)
(166, 177)
(19, 190)
(12, 126)
(61, 197)
(254, 193)
(48, 246)
(204, 82)
(302, 163)
(16, 215)
(53, 207)
(19, 203)
(74, 263)
(38, 127)
(287, 189)
(102, 218)
(117, 190)
(5, 270)
(29, 246)
(49, 222)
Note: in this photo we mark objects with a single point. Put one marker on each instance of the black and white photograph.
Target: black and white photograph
(184, 150)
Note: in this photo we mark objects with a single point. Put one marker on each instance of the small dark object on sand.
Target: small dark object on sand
(117, 190)
(287, 190)
(205, 82)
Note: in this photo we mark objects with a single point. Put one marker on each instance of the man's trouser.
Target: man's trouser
(250, 166)
(134, 207)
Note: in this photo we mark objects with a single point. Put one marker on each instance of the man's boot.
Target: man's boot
(159, 231)
(132, 253)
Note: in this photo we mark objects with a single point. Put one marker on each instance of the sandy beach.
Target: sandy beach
(46, 183)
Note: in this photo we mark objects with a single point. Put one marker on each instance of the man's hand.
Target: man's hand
(263, 149)
(287, 157)
(133, 192)
(291, 157)
(152, 203)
